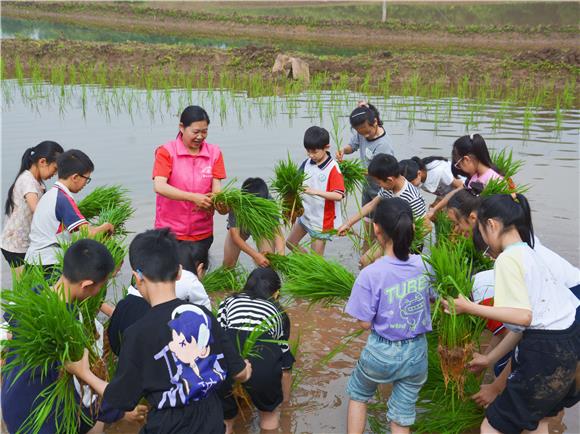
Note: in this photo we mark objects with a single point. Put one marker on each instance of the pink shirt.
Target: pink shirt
(485, 178)
(192, 173)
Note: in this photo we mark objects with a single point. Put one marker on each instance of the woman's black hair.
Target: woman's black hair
(473, 145)
(256, 186)
(48, 150)
(366, 113)
(395, 217)
(193, 113)
(383, 166)
(191, 255)
(465, 201)
(262, 283)
(478, 241)
(409, 169)
(513, 210)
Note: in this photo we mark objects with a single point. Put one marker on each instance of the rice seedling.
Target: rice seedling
(256, 216)
(420, 234)
(288, 183)
(354, 174)
(117, 215)
(502, 186)
(102, 198)
(505, 162)
(332, 285)
(443, 226)
(225, 279)
(451, 271)
(441, 408)
(46, 334)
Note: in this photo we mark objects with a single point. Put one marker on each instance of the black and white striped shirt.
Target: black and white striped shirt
(411, 194)
(244, 313)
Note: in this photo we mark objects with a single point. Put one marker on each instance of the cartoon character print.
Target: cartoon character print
(193, 371)
(412, 309)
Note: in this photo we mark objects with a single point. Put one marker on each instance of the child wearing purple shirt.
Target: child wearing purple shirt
(391, 297)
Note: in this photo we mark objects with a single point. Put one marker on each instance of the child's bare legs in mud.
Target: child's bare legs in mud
(357, 419)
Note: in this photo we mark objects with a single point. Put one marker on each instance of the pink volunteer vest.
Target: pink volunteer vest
(188, 173)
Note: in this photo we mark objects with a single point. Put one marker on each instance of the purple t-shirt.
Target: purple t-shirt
(394, 296)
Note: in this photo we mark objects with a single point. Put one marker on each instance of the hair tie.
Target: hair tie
(358, 114)
(471, 136)
(472, 192)
(31, 153)
(515, 198)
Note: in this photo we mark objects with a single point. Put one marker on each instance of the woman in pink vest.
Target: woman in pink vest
(187, 171)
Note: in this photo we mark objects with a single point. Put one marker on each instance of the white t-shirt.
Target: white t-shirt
(16, 232)
(439, 179)
(55, 218)
(523, 280)
(561, 269)
(188, 288)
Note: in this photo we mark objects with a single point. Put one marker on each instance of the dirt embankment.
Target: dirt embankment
(177, 21)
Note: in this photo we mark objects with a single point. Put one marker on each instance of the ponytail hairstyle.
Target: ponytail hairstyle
(395, 218)
(465, 201)
(513, 210)
(409, 169)
(262, 283)
(420, 163)
(193, 113)
(383, 166)
(365, 113)
(473, 145)
(48, 150)
(428, 160)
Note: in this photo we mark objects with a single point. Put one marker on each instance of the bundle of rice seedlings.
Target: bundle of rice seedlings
(117, 215)
(115, 245)
(255, 215)
(46, 333)
(443, 226)
(225, 279)
(451, 273)
(288, 183)
(504, 161)
(333, 282)
(442, 408)
(280, 263)
(102, 198)
(502, 186)
(420, 235)
(354, 174)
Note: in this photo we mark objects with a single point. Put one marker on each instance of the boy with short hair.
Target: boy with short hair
(175, 355)
(324, 191)
(87, 266)
(57, 214)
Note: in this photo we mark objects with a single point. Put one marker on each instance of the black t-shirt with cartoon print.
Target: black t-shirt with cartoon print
(175, 356)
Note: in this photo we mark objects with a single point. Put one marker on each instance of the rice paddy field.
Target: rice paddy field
(119, 119)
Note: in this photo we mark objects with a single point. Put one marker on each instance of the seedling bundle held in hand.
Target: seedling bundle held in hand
(288, 183)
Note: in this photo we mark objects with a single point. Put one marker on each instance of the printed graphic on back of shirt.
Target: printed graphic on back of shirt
(192, 369)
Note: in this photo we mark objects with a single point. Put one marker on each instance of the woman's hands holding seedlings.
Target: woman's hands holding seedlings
(343, 230)
(79, 367)
(202, 201)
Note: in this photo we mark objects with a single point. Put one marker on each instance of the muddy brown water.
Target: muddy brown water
(253, 134)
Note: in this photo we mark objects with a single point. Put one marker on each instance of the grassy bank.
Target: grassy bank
(146, 66)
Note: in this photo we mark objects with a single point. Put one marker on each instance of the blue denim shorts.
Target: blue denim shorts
(402, 363)
(314, 234)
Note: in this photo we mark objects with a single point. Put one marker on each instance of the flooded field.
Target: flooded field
(120, 129)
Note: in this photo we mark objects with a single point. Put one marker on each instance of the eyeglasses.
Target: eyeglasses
(88, 178)
(456, 165)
